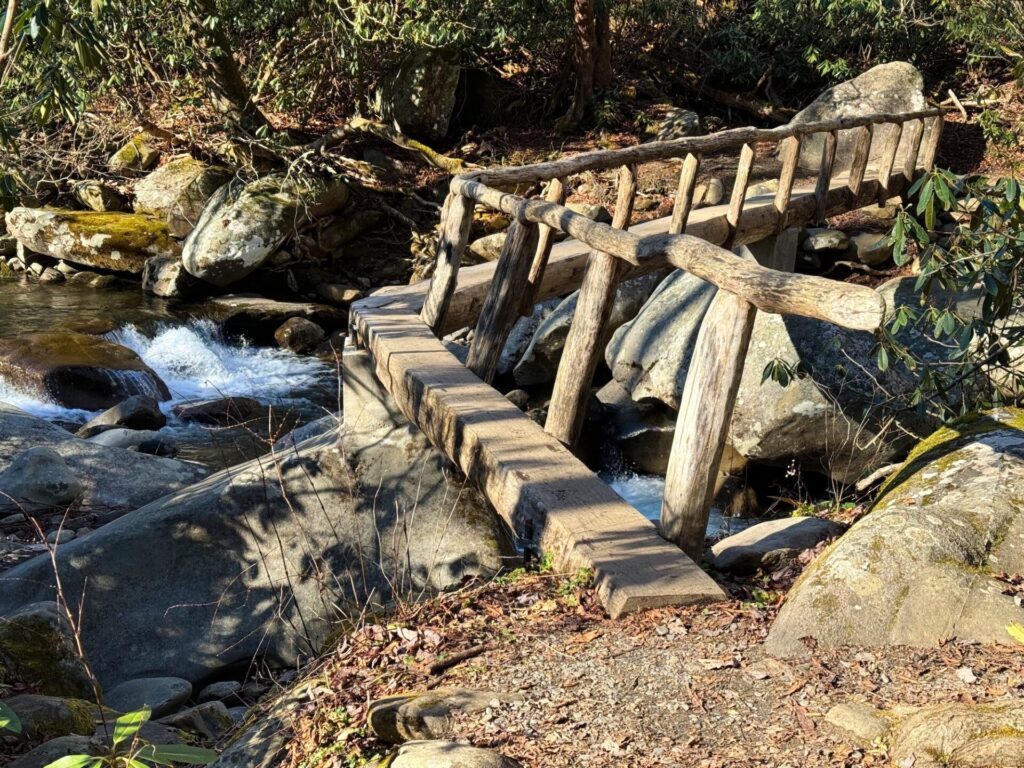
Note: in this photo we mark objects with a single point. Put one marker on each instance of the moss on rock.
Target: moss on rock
(138, 154)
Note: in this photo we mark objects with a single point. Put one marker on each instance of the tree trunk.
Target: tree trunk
(228, 91)
(603, 59)
(584, 56)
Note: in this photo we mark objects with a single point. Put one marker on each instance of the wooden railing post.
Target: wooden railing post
(931, 146)
(913, 149)
(583, 348)
(828, 158)
(888, 159)
(739, 192)
(703, 422)
(859, 164)
(456, 220)
(684, 195)
(555, 194)
(790, 155)
(501, 307)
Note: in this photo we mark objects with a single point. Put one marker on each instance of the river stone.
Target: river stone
(165, 276)
(918, 569)
(117, 241)
(871, 248)
(163, 695)
(419, 95)
(221, 412)
(264, 743)
(235, 567)
(242, 225)
(114, 480)
(299, 335)
(37, 647)
(678, 123)
(54, 749)
(745, 551)
(135, 412)
(209, 720)
(591, 211)
(98, 196)
(137, 155)
(861, 721)
(894, 87)
(521, 334)
(141, 440)
(539, 362)
(446, 754)
(643, 431)
(47, 717)
(257, 318)
(178, 191)
(833, 420)
(819, 240)
(311, 429)
(38, 477)
(77, 370)
(219, 691)
(428, 715)
(488, 247)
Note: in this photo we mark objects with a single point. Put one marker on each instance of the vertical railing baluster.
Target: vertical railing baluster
(739, 192)
(859, 164)
(913, 148)
(887, 159)
(555, 194)
(789, 152)
(931, 145)
(821, 189)
(684, 194)
(583, 349)
(456, 220)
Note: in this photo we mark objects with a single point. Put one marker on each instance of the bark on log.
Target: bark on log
(456, 220)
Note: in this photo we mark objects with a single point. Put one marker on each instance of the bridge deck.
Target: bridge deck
(542, 490)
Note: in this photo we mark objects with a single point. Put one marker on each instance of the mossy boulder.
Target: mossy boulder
(47, 717)
(244, 224)
(137, 155)
(36, 648)
(77, 370)
(117, 241)
(178, 191)
(920, 568)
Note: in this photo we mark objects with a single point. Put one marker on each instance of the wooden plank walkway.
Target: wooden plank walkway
(541, 489)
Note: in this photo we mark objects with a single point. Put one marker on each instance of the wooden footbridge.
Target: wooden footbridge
(528, 473)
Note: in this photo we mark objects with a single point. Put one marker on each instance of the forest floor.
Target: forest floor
(668, 687)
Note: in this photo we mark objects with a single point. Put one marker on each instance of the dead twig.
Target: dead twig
(443, 665)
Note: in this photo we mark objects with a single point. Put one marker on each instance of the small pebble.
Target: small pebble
(81, 533)
(219, 691)
(59, 536)
(16, 519)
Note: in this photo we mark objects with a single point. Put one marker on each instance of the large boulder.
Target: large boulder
(889, 88)
(257, 318)
(178, 191)
(540, 360)
(77, 370)
(38, 478)
(833, 420)
(167, 278)
(260, 559)
(922, 567)
(419, 96)
(242, 225)
(114, 480)
(37, 648)
(136, 412)
(117, 241)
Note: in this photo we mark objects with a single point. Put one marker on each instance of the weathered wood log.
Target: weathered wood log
(739, 191)
(913, 148)
(828, 158)
(931, 146)
(583, 348)
(456, 220)
(502, 306)
(703, 422)
(887, 160)
(859, 164)
(851, 306)
(555, 194)
(789, 153)
(663, 150)
(684, 194)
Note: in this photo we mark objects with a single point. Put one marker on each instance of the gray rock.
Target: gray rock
(141, 440)
(447, 754)
(871, 248)
(220, 691)
(222, 412)
(150, 732)
(710, 192)
(257, 318)
(745, 551)
(590, 211)
(37, 647)
(237, 567)
(988, 735)
(98, 196)
(488, 247)
(39, 477)
(238, 714)
(428, 715)
(137, 155)
(112, 479)
(263, 744)
(59, 536)
(819, 240)
(210, 720)
(863, 722)
(419, 96)
(312, 429)
(242, 225)
(299, 335)
(339, 293)
(539, 362)
(521, 334)
(54, 749)
(916, 570)
(136, 412)
(51, 276)
(678, 123)
(178, 191)
(165, 276)
(887, 88)
(163, 695)
(643, 431)
(48, 717)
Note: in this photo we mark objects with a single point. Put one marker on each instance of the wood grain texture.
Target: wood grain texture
(739, 191)
(456, 220)
(824, 184)
(583, 347)
(931, 145)
(501, 309)
(789, 154)
(916, 133)
(859, 163)
(555, 194)
(707, 403)
(887, 159)
(684, 194)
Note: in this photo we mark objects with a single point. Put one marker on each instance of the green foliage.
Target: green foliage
(980, 262)
(8, 719)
